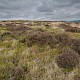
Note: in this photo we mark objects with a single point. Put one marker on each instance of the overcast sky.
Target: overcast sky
(40, 9)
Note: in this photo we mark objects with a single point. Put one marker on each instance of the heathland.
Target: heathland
(39, 50)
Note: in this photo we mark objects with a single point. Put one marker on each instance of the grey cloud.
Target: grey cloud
(45, 9)
(40, 9)
(17, 4)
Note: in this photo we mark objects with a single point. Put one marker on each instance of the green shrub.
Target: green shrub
(67, 59)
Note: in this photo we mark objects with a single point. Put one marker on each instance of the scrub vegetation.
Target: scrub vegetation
(39, 51)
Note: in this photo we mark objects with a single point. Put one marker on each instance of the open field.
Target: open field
(39, 50)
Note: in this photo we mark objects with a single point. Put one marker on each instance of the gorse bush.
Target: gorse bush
(67, 59)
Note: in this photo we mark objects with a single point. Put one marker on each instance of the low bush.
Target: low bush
(73, 29)
(64, 26)
(39, 30)
(76, 45)
(17, 73)
(77, 77)
(67, 59)
(19, 28)
(47, 26)
(41, 38)
(63, 39)
(6, 35)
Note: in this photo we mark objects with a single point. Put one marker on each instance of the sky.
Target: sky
(40, 9)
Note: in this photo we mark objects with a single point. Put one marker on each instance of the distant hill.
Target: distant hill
(75, 21)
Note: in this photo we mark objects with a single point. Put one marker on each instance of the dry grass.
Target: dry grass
(19, 61)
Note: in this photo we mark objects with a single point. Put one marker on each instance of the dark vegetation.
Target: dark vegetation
(18, 60)
(77, 77)
(69, 28)
(68, 59)
(6, 35)
(63, 39)
(73, 29)
(19, 28)
(65, 26)
(41, 38)
(76, 45)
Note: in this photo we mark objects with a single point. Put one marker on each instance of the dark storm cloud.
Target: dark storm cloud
(40, 9)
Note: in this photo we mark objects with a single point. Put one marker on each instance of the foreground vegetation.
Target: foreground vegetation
(39, 52)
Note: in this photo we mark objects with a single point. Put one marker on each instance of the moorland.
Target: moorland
(39, 50)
